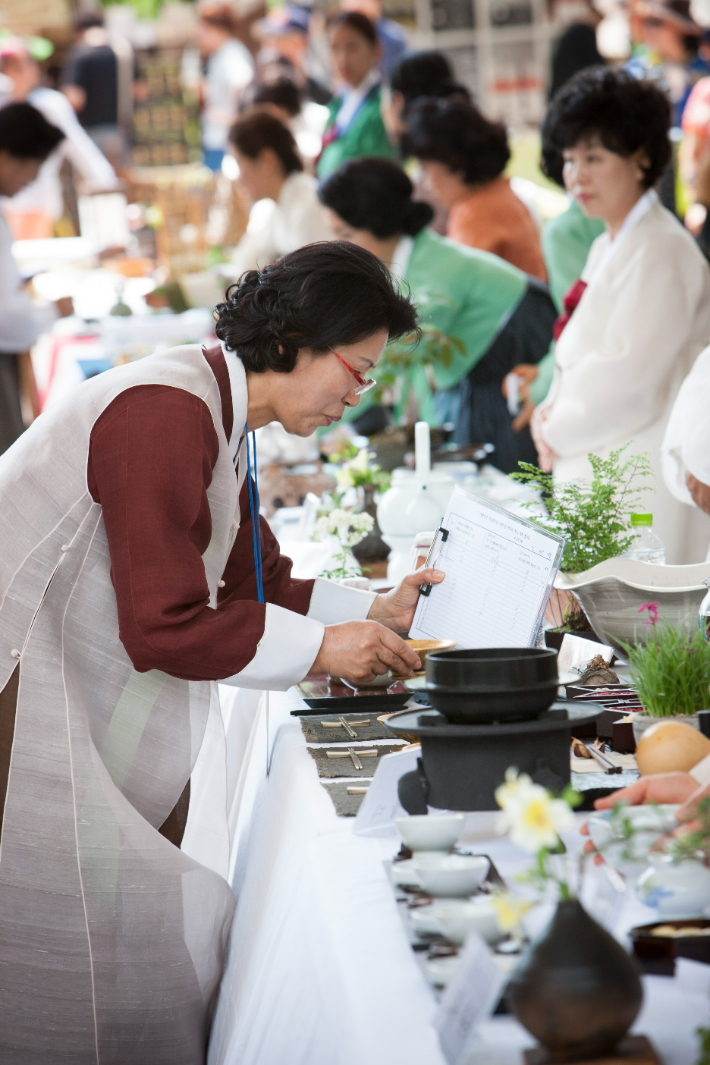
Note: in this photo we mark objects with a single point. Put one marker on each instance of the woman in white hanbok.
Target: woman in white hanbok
(639, 316)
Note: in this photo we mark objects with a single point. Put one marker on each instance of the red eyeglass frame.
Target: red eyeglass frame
(363, 385)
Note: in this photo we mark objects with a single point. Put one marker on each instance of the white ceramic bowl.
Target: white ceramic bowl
(456, 918)
(613, 592)
(450, 875)
(430, 832)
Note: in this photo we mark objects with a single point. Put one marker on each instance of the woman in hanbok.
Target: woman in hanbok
(286, 211)
(640, 314)
(500, 318)
(463, 157)
(355, 126)
(134, 573)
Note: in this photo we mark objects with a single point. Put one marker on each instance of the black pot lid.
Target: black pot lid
(425, 723)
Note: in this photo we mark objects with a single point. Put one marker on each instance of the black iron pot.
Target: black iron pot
(492, 683)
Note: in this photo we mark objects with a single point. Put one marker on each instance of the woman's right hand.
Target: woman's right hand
(358, 651)
(545, 455)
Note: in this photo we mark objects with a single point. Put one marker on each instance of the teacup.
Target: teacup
(451, 875)
(456, 918)
(430, 832)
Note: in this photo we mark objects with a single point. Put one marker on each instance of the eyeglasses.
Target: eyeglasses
(362, 385)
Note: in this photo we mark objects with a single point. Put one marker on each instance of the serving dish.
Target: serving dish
(657, 953)
(613, 593)
(321, 692)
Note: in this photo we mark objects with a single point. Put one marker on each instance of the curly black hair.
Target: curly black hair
(319, 297)
(427, 73)
(623, 111)
(455, 133)
(375, 194)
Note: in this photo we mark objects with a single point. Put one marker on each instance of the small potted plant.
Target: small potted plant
(357, 469)
(346, 528)
(594, 517)
(670, 671)
(576, 989)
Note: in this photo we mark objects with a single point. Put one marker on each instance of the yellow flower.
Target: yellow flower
(510, 910)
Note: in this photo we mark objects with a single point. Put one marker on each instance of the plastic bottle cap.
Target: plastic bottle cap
(642, 519)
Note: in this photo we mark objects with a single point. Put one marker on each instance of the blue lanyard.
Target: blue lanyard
(255, 524)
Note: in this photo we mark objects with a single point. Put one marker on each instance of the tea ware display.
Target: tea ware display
(430, 832)
(629, 856)
(576, 990)
(675, 889)
(450, 875)
(455, 919)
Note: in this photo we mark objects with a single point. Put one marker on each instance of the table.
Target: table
(319, 970)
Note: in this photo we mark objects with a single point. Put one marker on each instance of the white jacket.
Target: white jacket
(641, 322)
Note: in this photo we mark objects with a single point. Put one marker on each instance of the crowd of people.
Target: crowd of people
(600, 313)
(136, 570)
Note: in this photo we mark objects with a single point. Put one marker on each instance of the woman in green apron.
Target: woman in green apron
(491, 317)
(355, 126)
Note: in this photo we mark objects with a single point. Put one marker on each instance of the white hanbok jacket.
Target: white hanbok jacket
(111, 938)
(278, 227)
(641, 322)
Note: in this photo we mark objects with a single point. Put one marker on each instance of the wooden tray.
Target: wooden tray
(339, 762)
(346, 795)
(321, 692)
(332, 729)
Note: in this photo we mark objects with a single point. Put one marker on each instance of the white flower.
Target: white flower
(530, 814)
(348, 527)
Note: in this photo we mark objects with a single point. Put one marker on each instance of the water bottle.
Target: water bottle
(647, 546)
(704, 612)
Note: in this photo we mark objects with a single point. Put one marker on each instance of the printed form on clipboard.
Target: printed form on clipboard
(499, 568)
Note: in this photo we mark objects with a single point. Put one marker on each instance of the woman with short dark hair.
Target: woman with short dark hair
(270, 168)
(355, 126)
(498, 317)
(135, 572)
(463, 156)
(640, 314)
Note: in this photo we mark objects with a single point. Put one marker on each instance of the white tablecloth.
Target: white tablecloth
(319, 969)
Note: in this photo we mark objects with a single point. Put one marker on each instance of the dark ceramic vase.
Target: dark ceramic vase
(372, 548)
(576, 989)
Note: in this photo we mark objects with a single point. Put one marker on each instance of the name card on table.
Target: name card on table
(381, 803)
(469, 999)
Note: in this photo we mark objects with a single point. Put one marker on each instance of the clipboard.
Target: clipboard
(500, 572)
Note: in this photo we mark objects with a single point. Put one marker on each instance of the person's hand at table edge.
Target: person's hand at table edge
(662, 788)
(395, 609)
(358, 651)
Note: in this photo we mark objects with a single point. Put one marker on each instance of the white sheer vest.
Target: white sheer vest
(111, 939)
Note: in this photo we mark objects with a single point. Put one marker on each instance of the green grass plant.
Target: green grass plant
(672, 671)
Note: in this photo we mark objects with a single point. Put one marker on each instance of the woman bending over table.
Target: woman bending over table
(501, 317)
(135, 572)
(640, 314)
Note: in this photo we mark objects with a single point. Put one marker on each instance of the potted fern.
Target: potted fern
(594, 517)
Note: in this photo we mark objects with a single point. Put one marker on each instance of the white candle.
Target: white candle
(422, 451)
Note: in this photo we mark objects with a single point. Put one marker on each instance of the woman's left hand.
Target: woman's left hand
(395, 609)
